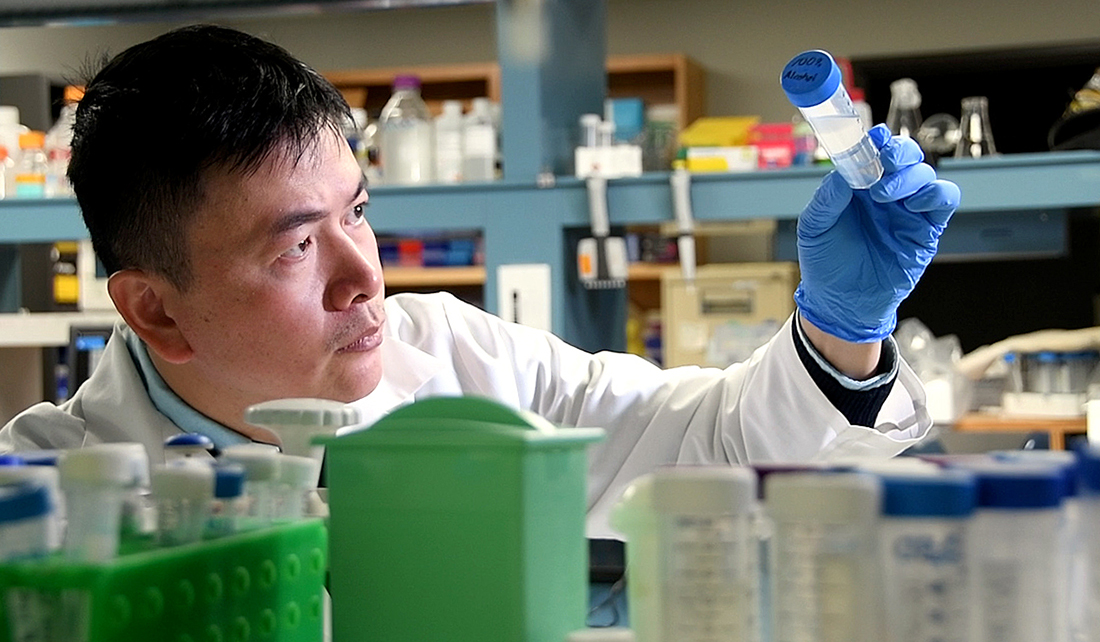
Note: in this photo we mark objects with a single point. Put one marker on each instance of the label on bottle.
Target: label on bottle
(30, 186)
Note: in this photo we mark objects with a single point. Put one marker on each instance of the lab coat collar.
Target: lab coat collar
(405, 370)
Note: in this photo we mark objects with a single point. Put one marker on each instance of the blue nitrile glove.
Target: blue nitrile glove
(862, 251)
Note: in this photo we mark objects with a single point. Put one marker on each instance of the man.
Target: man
(245, 270)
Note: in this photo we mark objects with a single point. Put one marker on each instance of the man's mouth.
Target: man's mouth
(367, 341)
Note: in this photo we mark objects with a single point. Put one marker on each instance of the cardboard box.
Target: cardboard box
(727, 312)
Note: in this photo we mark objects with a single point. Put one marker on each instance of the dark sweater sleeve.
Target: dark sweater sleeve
(858, 402)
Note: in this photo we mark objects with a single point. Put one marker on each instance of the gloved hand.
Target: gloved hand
(861, 252)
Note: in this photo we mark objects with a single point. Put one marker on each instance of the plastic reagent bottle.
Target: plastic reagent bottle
(407, 144)
(448, 143)
(812, 82)
(31, 168)
(479, 142)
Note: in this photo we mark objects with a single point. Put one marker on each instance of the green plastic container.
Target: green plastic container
(459, 520)
(261, 586)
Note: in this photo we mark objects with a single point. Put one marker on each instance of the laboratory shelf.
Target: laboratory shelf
(1013, 182)
(1012, 205)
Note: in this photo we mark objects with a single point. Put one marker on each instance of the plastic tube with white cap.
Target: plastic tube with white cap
(96, 481)
(183, 491)
(261, 472)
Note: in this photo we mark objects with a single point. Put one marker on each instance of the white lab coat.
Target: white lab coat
(764, 409)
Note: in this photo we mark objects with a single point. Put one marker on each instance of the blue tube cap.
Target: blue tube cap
(950, 493)
(810, 78)
(228, 480)
(1017, 486)
(23, 500)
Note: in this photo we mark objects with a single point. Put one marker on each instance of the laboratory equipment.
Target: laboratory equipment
(1017, 551)
(479, 144)
(297, 479)
(1088, 458)
(47, 476)
(448, 143)
(938, 136)
(24, 520)
(407, 136)
(264, 585)
(903, 117)
(229, 501)
(924, 545)
(261, 472)
(692, 551)
(459, 519)
(975, 133)
(31, 166)
(96, 481)
(601, 258)
(296, 421)
(824, 574)
(812, 82)
(1071, 579)
(183, 491)
(188, 444)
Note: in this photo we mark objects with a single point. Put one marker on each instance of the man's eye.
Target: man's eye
(357, 213)
(299, 249)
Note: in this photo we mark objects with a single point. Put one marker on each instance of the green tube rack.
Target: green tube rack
(265, 585)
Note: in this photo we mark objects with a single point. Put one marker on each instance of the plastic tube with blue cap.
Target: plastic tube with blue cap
(924, 543)
(813, 83)
(24, 509)
(1016, 560)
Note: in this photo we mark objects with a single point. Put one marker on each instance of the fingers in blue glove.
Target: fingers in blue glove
(898, 153)
(896, 185)
(830, 198)
(937, 200)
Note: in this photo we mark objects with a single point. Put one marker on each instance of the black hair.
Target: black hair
(161, 114)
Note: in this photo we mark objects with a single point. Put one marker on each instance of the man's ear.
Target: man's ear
(139, 298)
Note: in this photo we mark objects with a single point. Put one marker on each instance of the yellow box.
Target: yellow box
(730, 310)
(742, 158)
(723, 131)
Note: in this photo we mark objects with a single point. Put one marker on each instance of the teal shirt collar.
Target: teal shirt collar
(170, 405)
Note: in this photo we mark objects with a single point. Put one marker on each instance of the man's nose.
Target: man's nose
(356, 275)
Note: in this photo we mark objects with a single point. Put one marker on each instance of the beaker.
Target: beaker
(976, 137)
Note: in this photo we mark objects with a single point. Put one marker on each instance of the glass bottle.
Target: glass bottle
(903, 118)
(975, 135)
(407, 135)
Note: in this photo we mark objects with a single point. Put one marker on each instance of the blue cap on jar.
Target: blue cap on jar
(810, 78)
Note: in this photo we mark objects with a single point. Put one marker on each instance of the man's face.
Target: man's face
(286, 299)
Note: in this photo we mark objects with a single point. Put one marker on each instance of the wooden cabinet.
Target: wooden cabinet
(656, 78)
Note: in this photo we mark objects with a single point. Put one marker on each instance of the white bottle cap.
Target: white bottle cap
(122, 465)
(260, 462)
(836, 498)
(602, 634)
(9, 115)
(299, 472)
(704, 490)
(183, 479)
(452, 108)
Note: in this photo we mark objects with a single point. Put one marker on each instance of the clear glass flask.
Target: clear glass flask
(904, 118)
(812, 82)
(975, 134)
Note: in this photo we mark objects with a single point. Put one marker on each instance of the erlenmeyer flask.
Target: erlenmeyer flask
(903, 118)
(976, 137)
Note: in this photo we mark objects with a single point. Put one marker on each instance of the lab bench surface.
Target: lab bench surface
(1057, 427)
